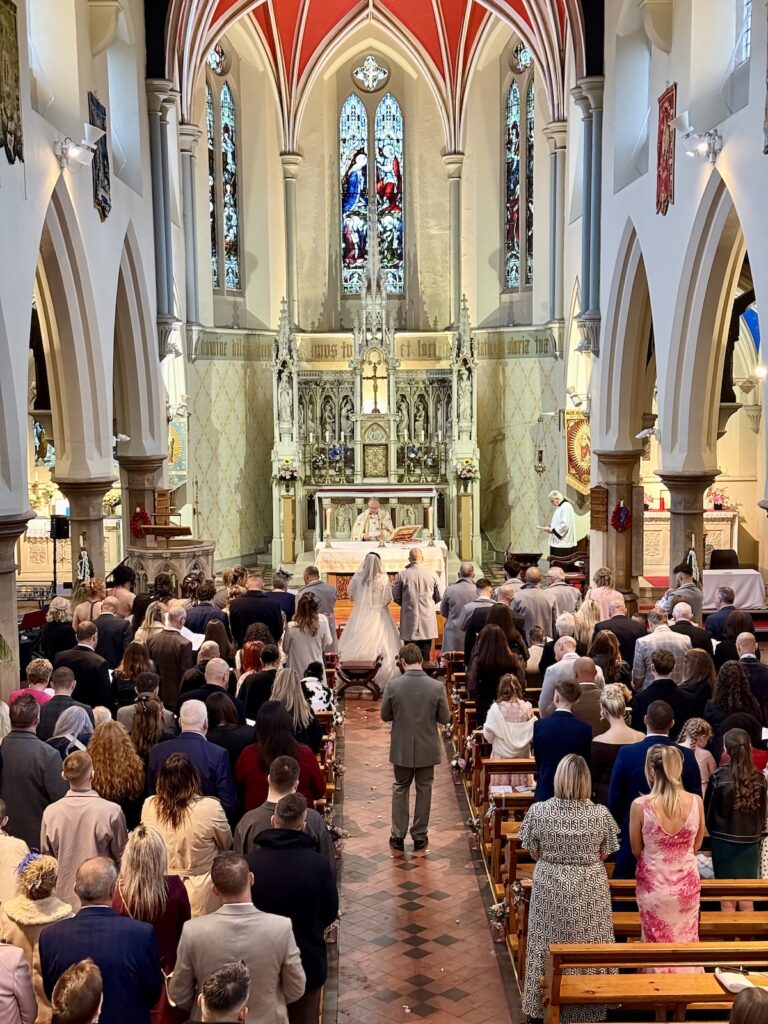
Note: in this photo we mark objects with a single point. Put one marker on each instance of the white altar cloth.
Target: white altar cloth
(346, 556)
(748, 585)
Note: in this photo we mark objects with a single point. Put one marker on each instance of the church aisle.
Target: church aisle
(414, 933)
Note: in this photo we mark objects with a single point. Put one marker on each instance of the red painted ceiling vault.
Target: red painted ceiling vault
(442, 36)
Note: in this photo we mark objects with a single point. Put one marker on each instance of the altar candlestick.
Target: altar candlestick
(327, 437)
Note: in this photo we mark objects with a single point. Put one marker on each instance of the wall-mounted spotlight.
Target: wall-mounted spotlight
(648, 432)
(577, 400)
(74, 155)
(705, 145)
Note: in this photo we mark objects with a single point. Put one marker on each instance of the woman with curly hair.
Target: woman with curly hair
(148, 726)
(146, 892)
(93, 593)
(733, 695)
(118, 771)
(193, 827)
(696, 734)
(735, 806)
(135, 660)
(24, 917)
(604, 651)
(58, 633)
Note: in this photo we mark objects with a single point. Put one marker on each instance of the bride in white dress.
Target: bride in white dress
(371, 630)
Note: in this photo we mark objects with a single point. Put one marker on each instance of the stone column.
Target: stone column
(556, 134)
(454, 165)
(592, 88)
(86, 518)
(582, 101)
(190, 135)
(686, 512)
(291, 163)
(160, 99)
(11, 528)
(619, 471)
(142, 475)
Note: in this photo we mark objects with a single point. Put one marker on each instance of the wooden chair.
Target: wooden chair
(162, 524)
(360, 675)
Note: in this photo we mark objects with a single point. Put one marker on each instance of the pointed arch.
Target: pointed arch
(80, 394)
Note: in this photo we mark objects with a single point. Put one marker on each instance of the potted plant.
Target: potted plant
(718, 496)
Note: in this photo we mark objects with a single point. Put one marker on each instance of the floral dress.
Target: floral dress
(570, 898)
(668, 883)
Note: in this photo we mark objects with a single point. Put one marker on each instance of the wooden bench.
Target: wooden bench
(659, 994)
(359, 674)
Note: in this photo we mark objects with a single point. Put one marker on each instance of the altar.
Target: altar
(340, 562)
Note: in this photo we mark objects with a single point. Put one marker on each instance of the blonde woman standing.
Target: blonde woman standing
(606, 746)
(666, 829)
(146, 892)
(603, 592)
(287, 689)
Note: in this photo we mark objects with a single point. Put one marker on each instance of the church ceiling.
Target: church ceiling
(442, 36)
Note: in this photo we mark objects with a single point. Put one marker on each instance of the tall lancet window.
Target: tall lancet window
(210, 120)
(353, 177)
(229, 180)
(519, 136)
(389, 193)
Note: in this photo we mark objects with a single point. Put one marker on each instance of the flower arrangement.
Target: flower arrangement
(718, 496)
(412, 452)
(287, 470)
(318, 460)
(467, 470)
(473, 828)
(139, 520)
(499, 914)
(339, 717)
(111, 500)
(458, 766)
(336, 453)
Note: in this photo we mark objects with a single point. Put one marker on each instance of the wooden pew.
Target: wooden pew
(657, 993)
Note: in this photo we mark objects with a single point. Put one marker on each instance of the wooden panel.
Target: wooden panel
(599, 509)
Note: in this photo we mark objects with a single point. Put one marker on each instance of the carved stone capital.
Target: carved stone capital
(618, 467)
(161, 96)
(754, 415)
(291, 163)
(686, 490)
(454, 164)
(11, 528)
(588, 326)
(166, 325)
(592, 89)
(141, 470)
(724, 413)
(556, 134)
(658, 22)
(189, 136)
(102, 23)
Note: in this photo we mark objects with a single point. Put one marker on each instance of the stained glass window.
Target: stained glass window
(353, 177)
(370, 75)
(230, 189)
(218, 61)
(523, 58)
(212, 204)
(512, 189)
(389, 193)
(530, 110)
(745, 31)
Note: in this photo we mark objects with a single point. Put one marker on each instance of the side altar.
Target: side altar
(362, 418)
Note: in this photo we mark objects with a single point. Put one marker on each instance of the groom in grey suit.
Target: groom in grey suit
(417, 591)
(414, 704)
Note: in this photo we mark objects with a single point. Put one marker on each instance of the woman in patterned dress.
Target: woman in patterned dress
(666, 828)
(569, 837)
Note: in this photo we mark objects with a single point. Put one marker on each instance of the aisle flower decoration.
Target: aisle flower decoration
(458, 766)
(499, 913)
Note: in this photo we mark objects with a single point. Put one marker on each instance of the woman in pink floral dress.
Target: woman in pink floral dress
(666, 829)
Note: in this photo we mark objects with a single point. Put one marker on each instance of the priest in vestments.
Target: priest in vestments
(373, 524)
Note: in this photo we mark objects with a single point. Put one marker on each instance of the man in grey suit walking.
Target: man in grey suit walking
(414, 704)
(417, 591)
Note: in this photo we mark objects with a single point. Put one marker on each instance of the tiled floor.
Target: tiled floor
(414, 940)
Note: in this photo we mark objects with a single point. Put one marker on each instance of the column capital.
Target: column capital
(85, 490)
(291, 163)
(161, 95)
(618, 467)
(11, 528)
(592, 89)
(658, 22)
(189, 136)
(686, 490)
(454, 164)
(556, 134)
(141, 465)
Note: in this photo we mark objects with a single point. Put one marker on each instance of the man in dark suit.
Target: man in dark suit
(628, 779)
(124, 950)
(257, 687)
(682, 613)
(216, 681)
(172, 654)
(662, 688)
(626, 630)
(415, 704)
(194, 677)
(210, 760)
(724, 605)
(559, 734)
(92, 685)
(747, 649)
(63, 683)
(255, 606)
(114, 633)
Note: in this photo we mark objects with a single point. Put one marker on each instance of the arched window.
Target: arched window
(386, 142)
(389, 193)
(230, 189)
(353, 177)
(221, 119)
(519, 136)
(210, 121)
(744, 28)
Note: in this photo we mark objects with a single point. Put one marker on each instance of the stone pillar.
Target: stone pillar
(592, 88)
(584, 105)
(291, 163)
(190, 134)
(11, 528)
(160, 100)
(142, 475)
(86, 518)
(556, 134)
(686, 512)
(454, 165)
(619, 471)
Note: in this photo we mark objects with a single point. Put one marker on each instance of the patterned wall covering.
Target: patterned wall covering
(513, 497)
(230, 437)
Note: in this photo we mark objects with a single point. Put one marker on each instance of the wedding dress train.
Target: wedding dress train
(371, 630)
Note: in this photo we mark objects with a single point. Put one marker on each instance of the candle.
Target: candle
(311, 437)
(327, 436)
(439, 436)
(343, 437)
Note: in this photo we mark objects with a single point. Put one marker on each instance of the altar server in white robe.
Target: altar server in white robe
(562, 528)
(373, 524)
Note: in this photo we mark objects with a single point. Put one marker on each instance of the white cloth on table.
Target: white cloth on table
(347, 556)
(747, 584)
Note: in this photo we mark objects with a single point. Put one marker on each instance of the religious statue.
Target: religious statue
(285, 398)
(402, 416)
(420, 420)
(373, 524)
(329, 419)
(311, 420)
(465, 396)
(346, 412)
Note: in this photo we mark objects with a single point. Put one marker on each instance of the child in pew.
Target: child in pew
(509, 728)
(696, 734)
